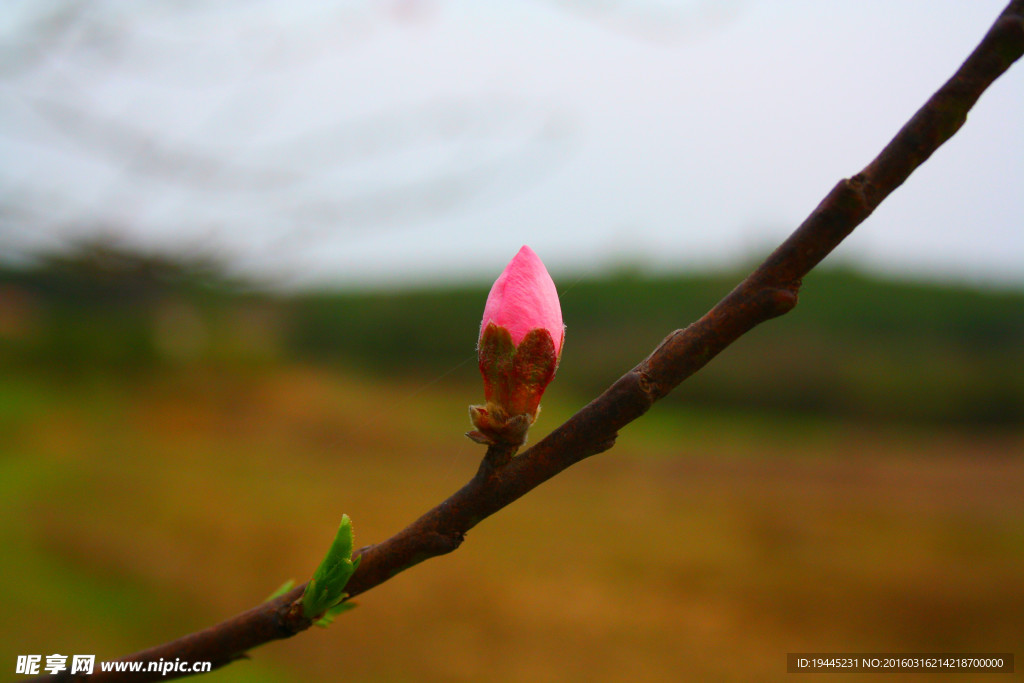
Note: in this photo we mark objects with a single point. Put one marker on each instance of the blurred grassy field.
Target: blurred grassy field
(174, 447)
(703, 547)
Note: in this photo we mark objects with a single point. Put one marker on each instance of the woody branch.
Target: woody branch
(771, 290)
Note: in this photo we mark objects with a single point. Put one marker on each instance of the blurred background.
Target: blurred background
(237, 239)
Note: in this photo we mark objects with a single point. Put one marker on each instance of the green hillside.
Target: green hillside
(855, 346)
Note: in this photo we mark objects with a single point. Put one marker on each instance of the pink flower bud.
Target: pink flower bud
(524, 298)
(519, 348)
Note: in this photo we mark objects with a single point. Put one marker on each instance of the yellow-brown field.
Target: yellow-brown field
(700, 548)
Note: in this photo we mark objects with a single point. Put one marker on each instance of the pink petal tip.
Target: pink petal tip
(524, 298)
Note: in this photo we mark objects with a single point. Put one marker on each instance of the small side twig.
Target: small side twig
(771, 290)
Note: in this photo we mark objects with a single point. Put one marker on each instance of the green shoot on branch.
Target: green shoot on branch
(325, 592)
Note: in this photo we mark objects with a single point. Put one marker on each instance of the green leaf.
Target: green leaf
(328, 617)
(285, 587)
(326, 590)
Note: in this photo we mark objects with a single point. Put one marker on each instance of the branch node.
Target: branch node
(290, 619)
(605, 445)
(1011, 24)
(498, 455)
(782, 300)
(444, 542)
(649, 387)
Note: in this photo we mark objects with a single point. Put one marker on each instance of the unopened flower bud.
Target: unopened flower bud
(519, 348)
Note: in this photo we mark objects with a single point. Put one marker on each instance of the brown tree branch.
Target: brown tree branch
(771, 290)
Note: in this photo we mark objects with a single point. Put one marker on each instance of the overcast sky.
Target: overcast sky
(368, 142)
